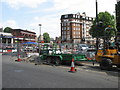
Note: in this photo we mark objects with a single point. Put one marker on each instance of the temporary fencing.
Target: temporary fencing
(6, 48)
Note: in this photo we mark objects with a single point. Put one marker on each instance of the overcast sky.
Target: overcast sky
(27, 14)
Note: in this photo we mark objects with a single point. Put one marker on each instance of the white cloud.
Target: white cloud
(10, 23)
(67, 6)
(106, 5)
(50, 24)
(118, 0)
(24, 3)
(1, 25)
(73, 6)
(88, 6)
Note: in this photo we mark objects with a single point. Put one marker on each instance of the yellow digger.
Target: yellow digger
(109, 55)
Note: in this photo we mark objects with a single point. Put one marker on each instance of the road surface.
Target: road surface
(28, 75)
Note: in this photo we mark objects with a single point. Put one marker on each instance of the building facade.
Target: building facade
(6, 38)
(75, 28)
(1, 29)
(23, 35)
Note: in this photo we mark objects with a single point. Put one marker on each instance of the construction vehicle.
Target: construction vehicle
(109, 55)
(57, 57)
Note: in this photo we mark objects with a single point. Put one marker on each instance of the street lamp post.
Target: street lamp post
(97, 40)
(83, 25)
(39, 40)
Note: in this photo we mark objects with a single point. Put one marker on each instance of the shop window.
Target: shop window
(9, 40)
(3, 40)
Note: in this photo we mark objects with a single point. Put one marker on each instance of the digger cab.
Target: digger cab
(108, 57)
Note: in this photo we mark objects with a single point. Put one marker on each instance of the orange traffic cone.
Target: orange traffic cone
(19, 58)
(72, 67)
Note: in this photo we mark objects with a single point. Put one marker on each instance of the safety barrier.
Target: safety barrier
(9, 50)
(6, 48)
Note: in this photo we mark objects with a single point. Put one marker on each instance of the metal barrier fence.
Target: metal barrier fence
(30, 48)
(15, 47)
(33, 48)
(69, 48)
(8, 47)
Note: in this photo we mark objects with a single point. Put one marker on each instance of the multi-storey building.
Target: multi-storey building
(75, 28)
(23, 35)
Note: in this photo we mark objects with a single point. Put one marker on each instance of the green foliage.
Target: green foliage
(46, 37)
(106, 19)
(8, 30)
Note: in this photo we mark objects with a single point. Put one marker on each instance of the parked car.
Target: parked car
(91, 48)
(82, 47)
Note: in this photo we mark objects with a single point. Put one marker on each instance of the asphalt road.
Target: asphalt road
(28, 75)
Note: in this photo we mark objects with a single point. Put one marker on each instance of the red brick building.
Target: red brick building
(23, 35)
(75, 28)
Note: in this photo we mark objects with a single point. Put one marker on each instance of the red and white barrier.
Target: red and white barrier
(7, 51)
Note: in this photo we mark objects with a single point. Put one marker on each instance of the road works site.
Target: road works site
(32, 58)
(29, 74)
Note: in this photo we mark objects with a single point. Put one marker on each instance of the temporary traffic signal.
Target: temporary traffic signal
(108, 28)
(42, 41)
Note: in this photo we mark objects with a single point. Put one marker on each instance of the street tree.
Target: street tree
(8, 30)
(105, 19)
(46, 37)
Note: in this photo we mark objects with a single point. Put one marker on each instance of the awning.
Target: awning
(29, 43)
(7, 37)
